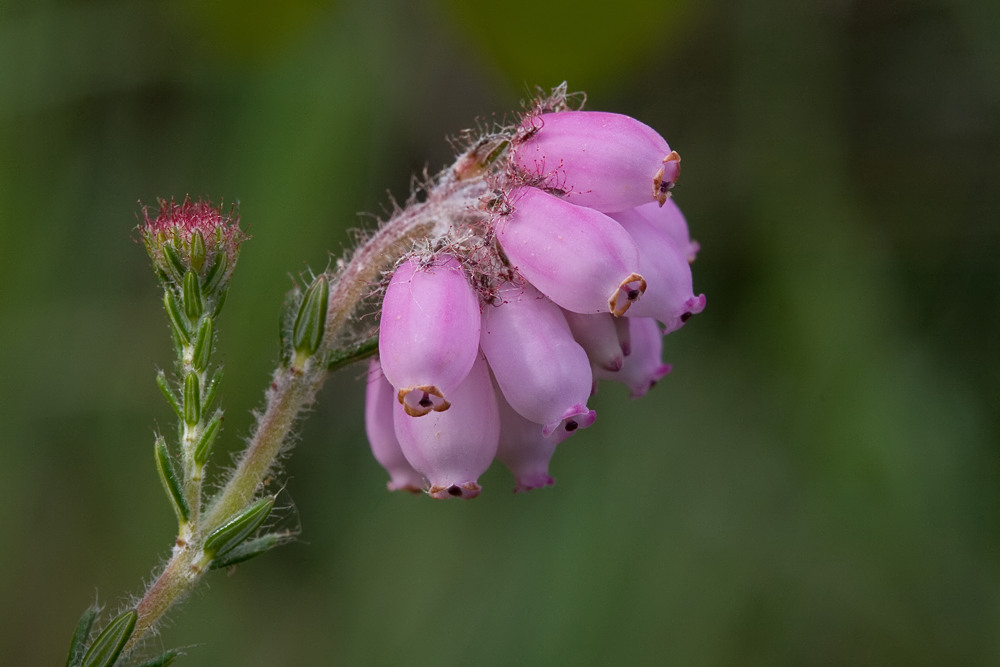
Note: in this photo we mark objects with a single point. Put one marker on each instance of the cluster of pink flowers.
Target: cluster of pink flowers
(588, 267)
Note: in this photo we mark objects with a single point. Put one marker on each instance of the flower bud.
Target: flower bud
(605, 161)
(379, 399)
(543, 373)
(429, 332)
(670, 296)
(193, 236)
(581, 259)
(643, 368)
(453, 448)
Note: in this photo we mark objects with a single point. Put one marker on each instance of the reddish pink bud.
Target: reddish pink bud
(643, 368)
(670, 296)
(429, 332)
(606, 161)
(580, 258)
(541, 370)
(453, 448)
(379, 399)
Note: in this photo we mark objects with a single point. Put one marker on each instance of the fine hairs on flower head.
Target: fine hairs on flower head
(554, 257)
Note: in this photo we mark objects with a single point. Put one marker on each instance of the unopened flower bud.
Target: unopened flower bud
(429, 332)
(193, 236)
(605, 161)
(541, 370)
(580, 258)
(453, 448)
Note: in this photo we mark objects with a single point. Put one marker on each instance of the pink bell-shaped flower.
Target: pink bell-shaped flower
(429, 332)
(542, 371)
(598, 336)
(605, 161)
(379, 400)
(524, 450)
(580, 258)
(670, 296)
(644, 367)
(669, 220)
(453, 448)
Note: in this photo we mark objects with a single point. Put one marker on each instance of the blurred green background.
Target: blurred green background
(816, 483)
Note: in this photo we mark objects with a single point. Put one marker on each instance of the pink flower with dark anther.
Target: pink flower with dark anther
(453, 448)
(429, 332)
(643, 368)
(580, 258)
(380, 397)
(598, 336)
(670, 296)
(541, 370)
(604, 161)
(540, 263)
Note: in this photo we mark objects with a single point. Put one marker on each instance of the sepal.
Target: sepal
(109, 644)
(228, 536)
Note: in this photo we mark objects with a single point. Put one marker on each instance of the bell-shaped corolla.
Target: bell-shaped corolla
(454, 447)
(580, 258)
(605, 161)
(429, 332)
(379, 400)
(542, 371)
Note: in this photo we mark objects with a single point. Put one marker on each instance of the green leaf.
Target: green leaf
(212, 391)
(161, 660)
(251, 549)
(193, 305)
(168, 393)
(310, 322)
(78, 644)
(230, 535)
(178, 325)
(171, 484)
(109, 644)
(192, 399)
(203, 345)
(207, 441)
(170, 252)
(215, 273)
(348, 355)
(197, 251)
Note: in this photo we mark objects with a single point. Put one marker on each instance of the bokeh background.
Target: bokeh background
(817, 481)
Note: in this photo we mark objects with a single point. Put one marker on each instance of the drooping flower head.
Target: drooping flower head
(548, 257)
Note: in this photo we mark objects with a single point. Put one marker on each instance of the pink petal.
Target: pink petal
(379, 399)
(429, 332)
(605, 161)
(581, 259)
(453, 448)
